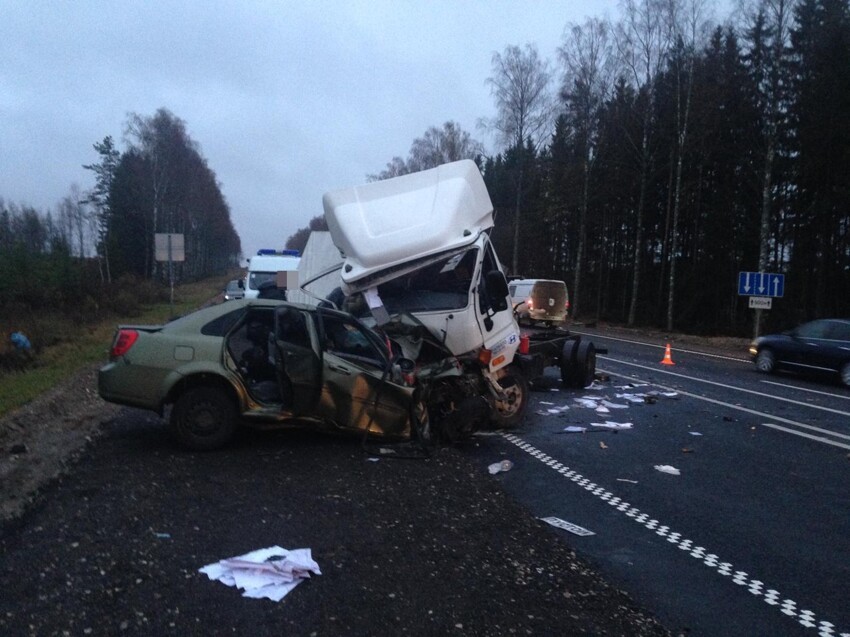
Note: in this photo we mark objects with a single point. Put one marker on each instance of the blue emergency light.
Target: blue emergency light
(273, 252)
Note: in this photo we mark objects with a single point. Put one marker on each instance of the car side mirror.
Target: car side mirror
(497, 290)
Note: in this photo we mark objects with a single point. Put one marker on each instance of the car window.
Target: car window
(838, 331)
(815, 329)
(346, 338)
(223, 324)
(292, 327)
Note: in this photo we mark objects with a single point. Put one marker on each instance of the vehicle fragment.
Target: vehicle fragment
(568, 526)
(498, 467)
(666, 468)
(609, 424)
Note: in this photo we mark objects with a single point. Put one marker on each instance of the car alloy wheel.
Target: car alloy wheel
(765, 361)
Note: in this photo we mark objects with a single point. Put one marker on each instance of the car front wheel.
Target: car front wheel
(766, 361)
(509, 411)
(203, 418)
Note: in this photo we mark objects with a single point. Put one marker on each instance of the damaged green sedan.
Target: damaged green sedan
(264, 362)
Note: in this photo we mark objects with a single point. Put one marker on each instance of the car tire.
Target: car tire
(578, 364)
(766, 361)
(508, 414)
(203, 419)
(845, 374)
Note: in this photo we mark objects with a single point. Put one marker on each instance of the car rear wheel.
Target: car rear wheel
(845, 374)
(766, 361)
(203, 418)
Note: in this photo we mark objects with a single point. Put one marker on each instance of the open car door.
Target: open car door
(297, 362)
(357, 390)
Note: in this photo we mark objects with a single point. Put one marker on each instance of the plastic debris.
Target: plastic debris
(573, 429)
(271, 572)
(666, 468)
(496, 467)
(590, 403)
(610, 424)
(602, 445)
(627, 480)
(695, 433)
(611, 405)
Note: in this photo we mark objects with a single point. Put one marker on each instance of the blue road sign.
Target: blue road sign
(761, 284)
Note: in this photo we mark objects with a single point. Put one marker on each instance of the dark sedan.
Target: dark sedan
(818, 346)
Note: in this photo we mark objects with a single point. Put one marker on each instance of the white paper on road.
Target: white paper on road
(573, 429)
(590, 403)
(666, 468)
(632, 398)
(611, 405)
(265, 573)
(695, 433)
(610, 424)
(602, 410)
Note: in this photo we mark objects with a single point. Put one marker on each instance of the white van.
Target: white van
(539, 301)
(265, 266)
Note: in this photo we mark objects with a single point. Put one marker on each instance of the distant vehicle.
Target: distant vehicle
(234, 289)
(270, 266)
(543, 301)
(819, 346)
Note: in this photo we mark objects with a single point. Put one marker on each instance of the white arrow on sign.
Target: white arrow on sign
(747, 286)
(761, 283)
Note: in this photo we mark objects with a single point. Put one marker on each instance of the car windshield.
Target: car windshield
(443, 285)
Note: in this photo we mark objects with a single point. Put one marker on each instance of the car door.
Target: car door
(836, 347)
(297, 362)
(806, 345)
(357, 391)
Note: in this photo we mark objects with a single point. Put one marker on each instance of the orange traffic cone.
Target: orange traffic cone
(667, 360)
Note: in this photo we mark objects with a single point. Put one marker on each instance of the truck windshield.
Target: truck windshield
(443, 285)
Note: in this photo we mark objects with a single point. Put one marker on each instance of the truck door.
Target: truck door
(494, 313)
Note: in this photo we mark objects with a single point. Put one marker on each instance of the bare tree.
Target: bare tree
(643, 41)
(690, 29)
(770, 66)
(525, 108)
(437, 146)
(589, 66)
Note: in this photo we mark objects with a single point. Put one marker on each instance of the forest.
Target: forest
(661, 155)
(657, 157)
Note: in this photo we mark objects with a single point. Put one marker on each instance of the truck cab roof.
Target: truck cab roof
(385, 224)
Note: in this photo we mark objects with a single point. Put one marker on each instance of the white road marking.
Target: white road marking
(788, 607)
(787, 421)
(725, 386)
(806, 389)
(678, 349)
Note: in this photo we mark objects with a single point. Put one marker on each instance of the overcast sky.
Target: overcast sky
(286, 99)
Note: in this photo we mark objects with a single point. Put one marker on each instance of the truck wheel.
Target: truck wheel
(203, 418)
(578, 364)
(508, 413)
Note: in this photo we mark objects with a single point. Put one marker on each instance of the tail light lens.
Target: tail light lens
(124, 340)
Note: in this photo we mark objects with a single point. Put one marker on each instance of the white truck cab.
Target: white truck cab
(265, 266)
(418, 243)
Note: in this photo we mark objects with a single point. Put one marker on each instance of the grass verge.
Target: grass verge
(91, 345)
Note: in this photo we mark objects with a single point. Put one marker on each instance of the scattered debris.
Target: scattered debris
(567, 526)
(627, 480)
(372, 459)
(666, 468)
(687, 450)
(695, 433)
(573, 429)
(271, 572)
(496, 467)
(162, 536)
(602, 445)
(609, 424)
(611, 405)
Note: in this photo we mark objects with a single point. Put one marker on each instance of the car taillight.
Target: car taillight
(567, 306)
(124, 340)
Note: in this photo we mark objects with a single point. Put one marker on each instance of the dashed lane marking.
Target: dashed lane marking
(771, 597)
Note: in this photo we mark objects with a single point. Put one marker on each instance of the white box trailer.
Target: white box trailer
(319, 255)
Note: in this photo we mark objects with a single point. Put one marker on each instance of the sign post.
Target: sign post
(169, 247)
(762, 288)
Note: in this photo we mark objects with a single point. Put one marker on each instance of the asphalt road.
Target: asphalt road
(751, 538)
(405, 546)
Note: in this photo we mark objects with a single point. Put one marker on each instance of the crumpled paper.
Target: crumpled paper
(270, 572)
